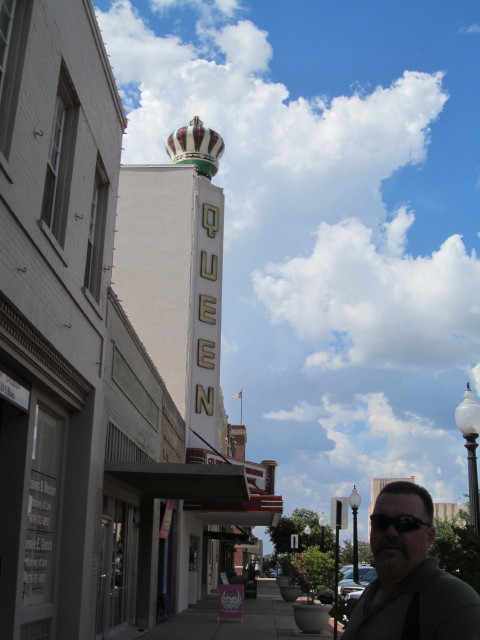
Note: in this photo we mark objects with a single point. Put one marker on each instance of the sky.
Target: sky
(351, 172)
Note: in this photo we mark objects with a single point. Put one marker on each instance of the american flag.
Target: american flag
(237, 396)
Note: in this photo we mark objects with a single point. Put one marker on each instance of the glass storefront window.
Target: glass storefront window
(42, 508)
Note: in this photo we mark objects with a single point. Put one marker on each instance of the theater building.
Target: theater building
(168, 275)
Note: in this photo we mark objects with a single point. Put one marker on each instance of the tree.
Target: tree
(295, 524)
(314, 570)
(365, 555)
(458, 550)
(269, 562)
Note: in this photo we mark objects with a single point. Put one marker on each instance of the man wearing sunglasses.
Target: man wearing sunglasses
(412, 598)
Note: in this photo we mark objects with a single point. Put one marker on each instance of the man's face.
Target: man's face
(397, 554)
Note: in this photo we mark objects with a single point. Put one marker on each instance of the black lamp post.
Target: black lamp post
(322, 521)
(354, 501)
(467, 417)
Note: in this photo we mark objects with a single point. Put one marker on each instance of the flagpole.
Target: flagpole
(239, 396)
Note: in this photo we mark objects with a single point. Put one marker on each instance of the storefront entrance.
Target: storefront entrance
(117, 568)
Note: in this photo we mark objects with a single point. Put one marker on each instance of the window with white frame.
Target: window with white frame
(96, 234)
(14, 25)
(60, 158)
(7, 11)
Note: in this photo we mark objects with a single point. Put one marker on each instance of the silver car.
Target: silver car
(366, 574)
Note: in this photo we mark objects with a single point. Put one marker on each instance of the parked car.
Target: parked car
(327, 597)
(366, 574)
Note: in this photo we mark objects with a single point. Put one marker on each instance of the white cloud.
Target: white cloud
(320, 159)
(364, 306)
(372, 441)
(396, 231)
(137, 54)
(226, 7)
(229, 347)
(350, 289)
(303, 412)
(245, 46)
(472, 28)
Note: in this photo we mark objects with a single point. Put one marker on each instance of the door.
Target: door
(117, 568)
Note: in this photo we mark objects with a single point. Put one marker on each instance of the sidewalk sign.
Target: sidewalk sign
(230, 602)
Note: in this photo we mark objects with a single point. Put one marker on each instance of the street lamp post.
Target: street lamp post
(307, 531)
(322, 521)
(467, 418)
(354, 501)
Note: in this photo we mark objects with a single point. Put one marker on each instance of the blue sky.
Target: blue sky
(351, 306)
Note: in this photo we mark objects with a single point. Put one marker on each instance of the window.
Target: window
(60, 158)
(43, 507)
(7, 9)
(14, 23)
(98, 214)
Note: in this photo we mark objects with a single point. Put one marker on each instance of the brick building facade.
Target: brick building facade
(60, 141)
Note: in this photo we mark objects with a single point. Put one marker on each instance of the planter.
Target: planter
(311, 618)
(282, 580)
(290, 592)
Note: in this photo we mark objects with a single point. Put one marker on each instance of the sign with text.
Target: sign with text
(333, 512)
(230, 603)
(40, 539)
(13, 391)
(167, 520)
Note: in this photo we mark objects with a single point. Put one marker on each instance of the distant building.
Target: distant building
(377, 485)
(447, 510)
(441, 510)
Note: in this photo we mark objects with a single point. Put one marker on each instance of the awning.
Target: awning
(258, 511)
(239, 538)
(183, 481)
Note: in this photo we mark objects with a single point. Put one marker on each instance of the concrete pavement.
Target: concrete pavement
(267, 617)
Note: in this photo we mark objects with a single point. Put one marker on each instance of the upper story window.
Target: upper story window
(60, 159)
(7, 9)
(14, 24)
(96, 235)
(53, 165)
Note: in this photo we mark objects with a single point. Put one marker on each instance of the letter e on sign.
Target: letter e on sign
(206, 311)
(204, 355)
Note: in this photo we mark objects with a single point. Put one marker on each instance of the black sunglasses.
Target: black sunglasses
(401, 523)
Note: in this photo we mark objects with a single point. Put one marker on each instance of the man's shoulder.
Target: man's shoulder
(444, 588)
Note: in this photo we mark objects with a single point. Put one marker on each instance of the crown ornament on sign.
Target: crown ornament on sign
(197, 145)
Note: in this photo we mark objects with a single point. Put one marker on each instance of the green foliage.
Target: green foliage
(342, 611)
(458, 550)
(313, 570)
(269, 562)
(296, 523)
(285, 561)
(365, 555)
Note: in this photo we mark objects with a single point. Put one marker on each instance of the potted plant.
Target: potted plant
(284, 561)
(313, 571)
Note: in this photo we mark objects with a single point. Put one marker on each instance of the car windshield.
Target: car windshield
(364, 573)
(368, 575)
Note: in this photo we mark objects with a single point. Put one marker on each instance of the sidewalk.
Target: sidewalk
(267, 617)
